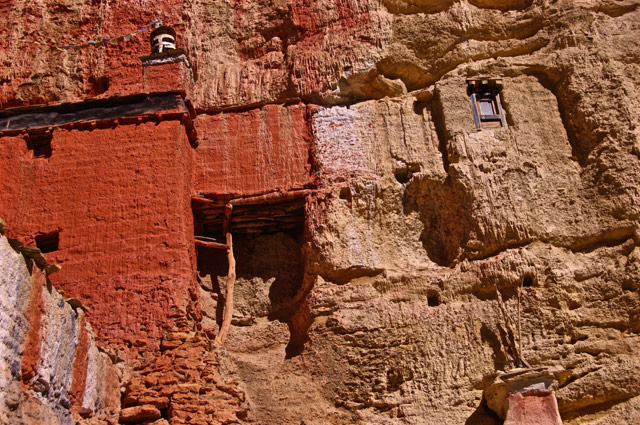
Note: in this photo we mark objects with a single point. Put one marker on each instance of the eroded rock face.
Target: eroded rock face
(432, 254)
(51, 369)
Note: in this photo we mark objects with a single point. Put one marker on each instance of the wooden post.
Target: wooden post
(519, 326)
(231, 278)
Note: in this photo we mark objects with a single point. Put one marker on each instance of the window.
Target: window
(40, 143)
(48, 242)
(485, 102)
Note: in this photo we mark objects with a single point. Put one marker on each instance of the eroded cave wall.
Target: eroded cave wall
(418, 222)
(409, 262)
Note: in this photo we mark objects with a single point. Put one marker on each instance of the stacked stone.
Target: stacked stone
(182, 385)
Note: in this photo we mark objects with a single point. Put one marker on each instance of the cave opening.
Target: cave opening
(268, 238)
(433, 301)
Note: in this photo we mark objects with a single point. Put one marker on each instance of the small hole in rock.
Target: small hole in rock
(433, 301)
(98, 85)
(402, 175)
(345, 193)
(47, 242)
(527, 281)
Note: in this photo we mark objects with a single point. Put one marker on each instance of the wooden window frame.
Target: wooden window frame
(483, 121)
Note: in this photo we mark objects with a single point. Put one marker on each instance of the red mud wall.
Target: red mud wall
(251, 152)
(120, 198)
(99, 71)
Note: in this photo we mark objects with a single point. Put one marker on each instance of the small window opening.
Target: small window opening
(345, 193)
(485, 102)
(40, 144)
(48, 242)
(527, 281)
(433, 301)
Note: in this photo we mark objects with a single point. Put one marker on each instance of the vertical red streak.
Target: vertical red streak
(35, 310)
(80, 362)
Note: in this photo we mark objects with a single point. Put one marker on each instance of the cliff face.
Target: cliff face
(53, 372)
(390, 255)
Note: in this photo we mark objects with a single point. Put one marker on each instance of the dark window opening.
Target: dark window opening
(433, 301)
(485, 102)
(48, 242)
(40, 144)
(527, 281)
(487, 106)
(268, 240)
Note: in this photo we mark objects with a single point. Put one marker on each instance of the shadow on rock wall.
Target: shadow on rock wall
(445, 210)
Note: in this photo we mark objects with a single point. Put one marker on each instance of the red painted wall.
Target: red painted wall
(254, 151)
(120, 198)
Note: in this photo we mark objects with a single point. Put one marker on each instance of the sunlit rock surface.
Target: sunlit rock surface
(426, 255)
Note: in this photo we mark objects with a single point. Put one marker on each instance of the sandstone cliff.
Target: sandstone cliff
(388, 293)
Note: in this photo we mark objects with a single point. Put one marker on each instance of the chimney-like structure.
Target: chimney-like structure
(163, 39)
(167, 68)
(524, 396)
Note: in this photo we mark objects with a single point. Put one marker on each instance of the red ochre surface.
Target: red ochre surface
(120, 198)
(101, 71)
(252, 152)
(532, 410)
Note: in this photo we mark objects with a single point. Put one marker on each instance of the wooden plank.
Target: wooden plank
(268, 198)
(228, 304)
(207, 244)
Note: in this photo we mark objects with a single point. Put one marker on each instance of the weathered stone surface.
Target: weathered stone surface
(51, 368)
(432, 254)
(139, 413)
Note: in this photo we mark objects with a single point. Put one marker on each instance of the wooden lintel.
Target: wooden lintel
(208, 244)
(269, 198)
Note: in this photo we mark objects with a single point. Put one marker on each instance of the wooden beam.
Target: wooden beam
(227, 218)
(208, 244)
(268, 198)
(228, 305)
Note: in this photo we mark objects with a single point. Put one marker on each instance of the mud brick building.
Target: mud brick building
(427, 211)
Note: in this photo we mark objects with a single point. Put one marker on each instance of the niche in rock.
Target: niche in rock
(47, 242)
(267, 245)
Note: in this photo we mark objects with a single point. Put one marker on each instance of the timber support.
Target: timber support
(231, 278)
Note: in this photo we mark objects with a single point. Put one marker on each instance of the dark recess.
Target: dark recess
(48, 242)
(99, 85)
(40, 144)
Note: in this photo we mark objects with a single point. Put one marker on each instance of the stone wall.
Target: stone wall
(51, 369)
(118, 195)
(431, 256)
